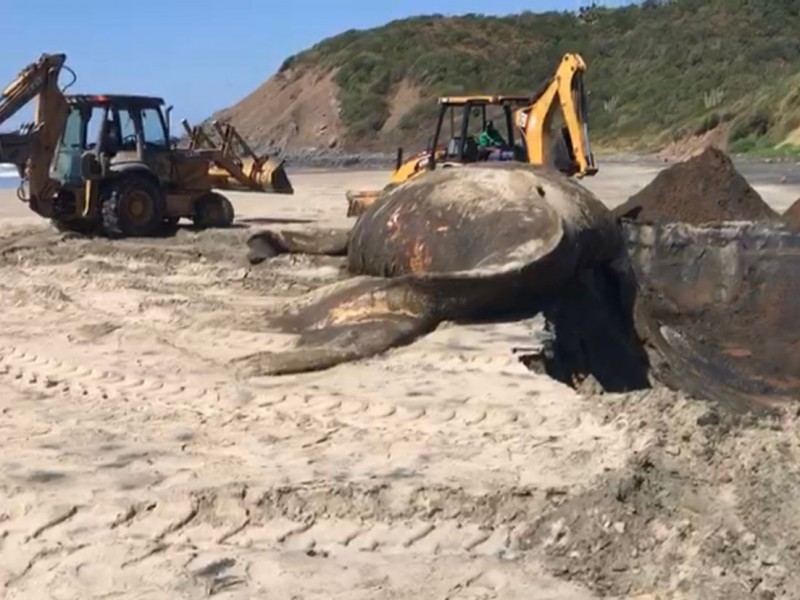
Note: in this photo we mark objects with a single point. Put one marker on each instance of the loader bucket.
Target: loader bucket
(276, 177)
(357, 202)
(269, 175)
(259, 176)
(235, 166)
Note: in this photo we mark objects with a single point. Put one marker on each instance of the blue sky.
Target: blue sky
(199, 55)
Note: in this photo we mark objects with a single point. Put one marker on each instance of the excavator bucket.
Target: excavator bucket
(230, 170)
(15, 148)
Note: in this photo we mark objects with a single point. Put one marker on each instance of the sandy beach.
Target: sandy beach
(136, 464)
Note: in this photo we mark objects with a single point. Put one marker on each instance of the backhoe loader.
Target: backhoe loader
(529, 118)
(102, 163)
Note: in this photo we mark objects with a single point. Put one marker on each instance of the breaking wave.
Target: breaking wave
(9, 177)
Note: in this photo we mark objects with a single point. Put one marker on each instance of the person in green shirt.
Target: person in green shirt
(490, 137)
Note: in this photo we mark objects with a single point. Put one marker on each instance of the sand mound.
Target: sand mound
(704, 189)
(792, 216)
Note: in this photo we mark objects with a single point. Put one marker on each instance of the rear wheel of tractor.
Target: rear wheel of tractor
(132, 206)
(213, 210)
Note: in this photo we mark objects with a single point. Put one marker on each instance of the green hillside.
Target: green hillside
(656, 71)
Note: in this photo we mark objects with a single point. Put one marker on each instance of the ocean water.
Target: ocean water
(9, 178)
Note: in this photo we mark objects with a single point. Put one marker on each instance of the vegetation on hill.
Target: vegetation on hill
(657, 71)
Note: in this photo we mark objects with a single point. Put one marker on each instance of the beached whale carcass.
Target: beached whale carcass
(455, 244)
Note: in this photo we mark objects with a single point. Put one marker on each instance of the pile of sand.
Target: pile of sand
(705, 189)
(792, 216)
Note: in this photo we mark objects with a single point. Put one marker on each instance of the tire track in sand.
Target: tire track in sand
(392, 521)
(31, 371)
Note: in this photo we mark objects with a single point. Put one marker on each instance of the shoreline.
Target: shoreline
(755, 169)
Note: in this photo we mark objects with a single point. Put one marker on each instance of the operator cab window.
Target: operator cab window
(153, 128)
(66, 162)
(127, 130)
(94, 123)
(71, 138)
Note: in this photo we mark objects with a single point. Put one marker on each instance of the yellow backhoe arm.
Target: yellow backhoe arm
(31, 81)
(38, 79)
(534, 121)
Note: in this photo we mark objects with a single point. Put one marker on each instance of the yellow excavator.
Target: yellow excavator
(104, 163)
(528, 125)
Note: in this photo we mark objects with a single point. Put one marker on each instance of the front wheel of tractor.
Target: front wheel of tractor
(132, 206)
(213, 210)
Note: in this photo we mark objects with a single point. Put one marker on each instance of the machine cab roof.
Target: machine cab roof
(464, 119)
(127, 100)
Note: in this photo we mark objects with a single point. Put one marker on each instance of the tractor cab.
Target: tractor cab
(479, 128)
(122, 132)
(469, 129)
(547, 129)
(123, 141)
(107, 162)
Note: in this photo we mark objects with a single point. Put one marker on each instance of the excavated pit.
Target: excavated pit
(717, 309)
(714, 304)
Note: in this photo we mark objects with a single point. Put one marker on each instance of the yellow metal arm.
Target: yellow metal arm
(535, 121)
(38, 80)
(30, 82)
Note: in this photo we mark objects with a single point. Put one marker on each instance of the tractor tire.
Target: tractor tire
(65, 220)
(213, 210)
(132, 206)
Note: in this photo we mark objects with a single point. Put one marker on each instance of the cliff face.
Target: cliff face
(294, 110)
(659, 73)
